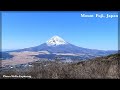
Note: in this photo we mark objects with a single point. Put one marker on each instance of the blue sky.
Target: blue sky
(28, 29)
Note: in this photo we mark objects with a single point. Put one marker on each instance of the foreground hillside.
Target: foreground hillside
(98, 68)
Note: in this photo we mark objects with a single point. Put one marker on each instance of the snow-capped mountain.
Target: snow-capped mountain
(58, 45)
(56, 40)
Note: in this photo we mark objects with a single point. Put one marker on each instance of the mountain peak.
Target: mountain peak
(56, 40)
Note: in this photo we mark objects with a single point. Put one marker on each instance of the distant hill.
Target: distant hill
(5, 55)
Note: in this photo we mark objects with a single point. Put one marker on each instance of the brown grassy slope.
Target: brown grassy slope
(98, 68)
(103, 67)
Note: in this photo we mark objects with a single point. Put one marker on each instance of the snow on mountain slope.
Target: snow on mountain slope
(58, 45)
(55, 40)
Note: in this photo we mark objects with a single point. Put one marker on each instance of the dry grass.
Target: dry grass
(99, 68)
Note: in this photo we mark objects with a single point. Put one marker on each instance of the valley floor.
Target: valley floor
(98, 68)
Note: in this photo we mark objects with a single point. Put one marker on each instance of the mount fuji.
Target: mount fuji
(56, 40)
(58, 45)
